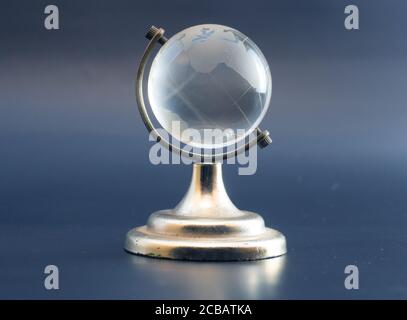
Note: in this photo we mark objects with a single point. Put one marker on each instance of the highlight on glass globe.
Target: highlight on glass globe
(211, 80)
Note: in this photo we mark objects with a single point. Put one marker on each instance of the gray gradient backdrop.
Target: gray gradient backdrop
(75, 173)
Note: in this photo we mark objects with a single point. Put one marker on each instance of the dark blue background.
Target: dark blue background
(75, 173)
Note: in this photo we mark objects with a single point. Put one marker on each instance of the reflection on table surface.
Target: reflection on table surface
(212, 280)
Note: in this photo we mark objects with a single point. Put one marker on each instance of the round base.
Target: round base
(186, 243)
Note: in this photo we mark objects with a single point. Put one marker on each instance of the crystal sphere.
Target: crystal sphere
(209, 77)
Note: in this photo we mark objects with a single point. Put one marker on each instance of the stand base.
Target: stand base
(206, 225)
(229, 239)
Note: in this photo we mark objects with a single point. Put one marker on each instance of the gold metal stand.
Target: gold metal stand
(206, 225)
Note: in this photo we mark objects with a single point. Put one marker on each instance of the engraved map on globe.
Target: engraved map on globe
(210, 77)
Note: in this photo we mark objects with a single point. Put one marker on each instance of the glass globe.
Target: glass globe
(211, 79)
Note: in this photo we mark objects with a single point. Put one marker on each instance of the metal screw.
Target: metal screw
(153, 31)
(263, 139)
